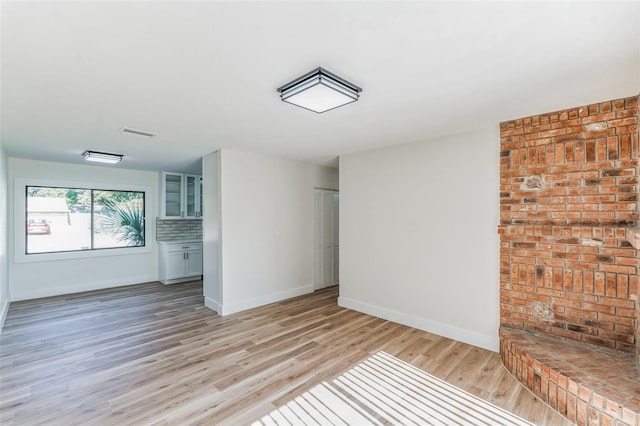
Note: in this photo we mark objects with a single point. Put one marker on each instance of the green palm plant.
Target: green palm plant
(126, 221)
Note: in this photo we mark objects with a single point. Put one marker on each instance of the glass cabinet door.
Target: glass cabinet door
(200, 196)
(190, 195)
(172, 195)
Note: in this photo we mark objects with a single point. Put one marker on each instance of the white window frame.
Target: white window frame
(20, 215)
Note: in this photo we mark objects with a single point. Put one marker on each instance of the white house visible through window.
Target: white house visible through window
(74, 219)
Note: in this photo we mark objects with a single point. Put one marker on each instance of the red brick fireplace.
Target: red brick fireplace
(569, 259)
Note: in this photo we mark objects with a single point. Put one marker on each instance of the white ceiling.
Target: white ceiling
(203, 75)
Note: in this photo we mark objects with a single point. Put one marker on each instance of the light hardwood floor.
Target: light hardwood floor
(153, 354)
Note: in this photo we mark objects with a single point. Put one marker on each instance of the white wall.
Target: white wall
(43, 275)
(211, 231)
(419, 241)
(4, 256)
(266, 206)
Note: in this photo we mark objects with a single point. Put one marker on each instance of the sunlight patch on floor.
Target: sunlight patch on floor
(383, 390)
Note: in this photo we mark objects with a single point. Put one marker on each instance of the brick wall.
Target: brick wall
(638, 329)
(568, 190)
(636, 236)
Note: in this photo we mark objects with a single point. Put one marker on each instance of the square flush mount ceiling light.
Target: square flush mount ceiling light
(102, 157)
(319, 91)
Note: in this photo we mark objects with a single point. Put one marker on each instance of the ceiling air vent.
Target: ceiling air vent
(137, 132)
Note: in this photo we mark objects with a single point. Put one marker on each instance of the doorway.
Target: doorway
(325, 238)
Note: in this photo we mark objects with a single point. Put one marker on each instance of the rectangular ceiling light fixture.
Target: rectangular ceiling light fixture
(102, 157)
(137, 132)
(319, 91)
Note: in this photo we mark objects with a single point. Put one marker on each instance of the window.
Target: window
(73, 219)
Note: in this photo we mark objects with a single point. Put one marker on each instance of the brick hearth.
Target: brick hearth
(588, 384)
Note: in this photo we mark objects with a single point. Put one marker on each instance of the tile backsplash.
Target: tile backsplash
(178, 229)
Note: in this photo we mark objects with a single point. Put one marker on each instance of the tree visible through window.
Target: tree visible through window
(72, 219)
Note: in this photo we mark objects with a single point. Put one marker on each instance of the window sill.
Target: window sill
(82, 254)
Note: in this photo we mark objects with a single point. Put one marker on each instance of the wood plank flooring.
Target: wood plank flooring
(153, 354)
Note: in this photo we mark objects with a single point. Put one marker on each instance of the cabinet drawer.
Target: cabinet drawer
(171, 248)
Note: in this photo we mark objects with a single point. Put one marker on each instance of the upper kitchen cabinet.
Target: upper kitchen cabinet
(180, 196)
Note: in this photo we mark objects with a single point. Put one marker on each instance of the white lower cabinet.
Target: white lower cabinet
(180, 261)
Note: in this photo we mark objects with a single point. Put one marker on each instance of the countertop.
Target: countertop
(179, 241)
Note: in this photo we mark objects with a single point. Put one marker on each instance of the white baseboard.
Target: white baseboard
(181, 280)
(491, 343)
(89, 286)
(232, 308)
(214, 305)
(3, 314)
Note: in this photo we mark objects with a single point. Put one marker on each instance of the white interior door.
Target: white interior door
(326, 247)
